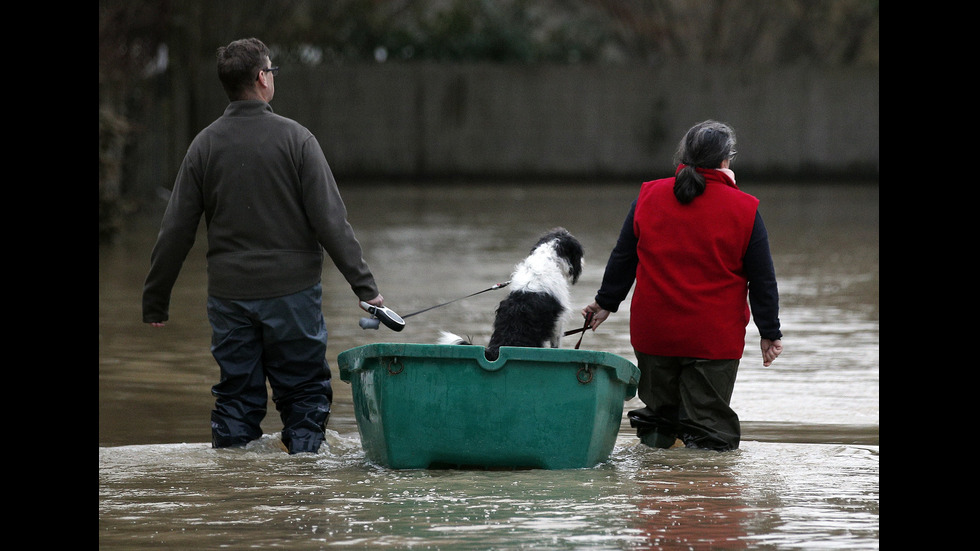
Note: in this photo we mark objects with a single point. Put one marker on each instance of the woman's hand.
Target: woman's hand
(598, 313)
(770, 351)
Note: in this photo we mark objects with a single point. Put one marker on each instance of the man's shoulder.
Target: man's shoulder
(287, 125)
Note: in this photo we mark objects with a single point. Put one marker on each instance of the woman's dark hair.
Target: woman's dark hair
(705, 145)
(239, 64)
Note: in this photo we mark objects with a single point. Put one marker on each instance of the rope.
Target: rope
(497, 286)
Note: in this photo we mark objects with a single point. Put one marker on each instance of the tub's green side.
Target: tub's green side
(423, 406)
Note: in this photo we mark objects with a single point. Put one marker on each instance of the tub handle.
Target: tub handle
(393, 366)
(584, 374)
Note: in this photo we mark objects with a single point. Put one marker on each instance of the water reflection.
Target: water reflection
(765, 495)
(690, 506)
(806, 475)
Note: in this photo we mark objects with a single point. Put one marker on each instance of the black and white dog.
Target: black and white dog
(533, 314)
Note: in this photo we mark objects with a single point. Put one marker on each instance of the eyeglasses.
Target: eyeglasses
(273, 70)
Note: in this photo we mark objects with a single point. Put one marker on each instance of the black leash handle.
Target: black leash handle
(588, 321)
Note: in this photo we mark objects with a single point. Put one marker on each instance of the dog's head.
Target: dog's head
(567, 248)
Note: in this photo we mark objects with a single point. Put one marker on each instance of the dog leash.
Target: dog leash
(588, 320)
(497, 286)
(581, 330)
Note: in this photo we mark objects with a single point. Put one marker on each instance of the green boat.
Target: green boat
(426, 406)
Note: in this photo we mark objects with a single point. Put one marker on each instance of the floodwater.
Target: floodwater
(806, 475)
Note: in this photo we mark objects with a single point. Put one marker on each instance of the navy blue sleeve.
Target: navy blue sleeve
(620, 268)
(763, 293)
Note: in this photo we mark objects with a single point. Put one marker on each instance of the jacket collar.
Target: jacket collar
(712, 176)
(247, 107)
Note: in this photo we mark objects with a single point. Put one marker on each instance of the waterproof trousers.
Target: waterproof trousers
(282, 340)
(686, 398)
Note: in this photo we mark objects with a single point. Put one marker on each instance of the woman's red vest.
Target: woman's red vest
(691, 293)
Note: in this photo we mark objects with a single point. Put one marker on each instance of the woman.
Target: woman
(695, 245)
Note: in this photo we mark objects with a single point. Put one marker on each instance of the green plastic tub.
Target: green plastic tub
(421, 406)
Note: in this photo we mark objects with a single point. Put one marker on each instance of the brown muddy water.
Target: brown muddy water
(806, 475)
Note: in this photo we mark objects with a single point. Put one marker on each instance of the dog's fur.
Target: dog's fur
(533, 314)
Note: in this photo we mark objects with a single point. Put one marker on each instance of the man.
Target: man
(272, 207)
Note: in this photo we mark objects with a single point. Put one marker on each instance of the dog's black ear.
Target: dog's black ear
(570, 249)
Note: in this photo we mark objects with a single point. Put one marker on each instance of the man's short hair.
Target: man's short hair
(239, 64)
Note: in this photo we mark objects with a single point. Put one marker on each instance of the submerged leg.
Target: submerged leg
(240, 395)
(296, 365)
(706, 419)
(656, 424)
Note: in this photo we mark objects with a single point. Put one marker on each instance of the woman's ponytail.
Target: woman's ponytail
(706, 145)
(688, 184)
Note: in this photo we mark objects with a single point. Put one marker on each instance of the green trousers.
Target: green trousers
(686, 398)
